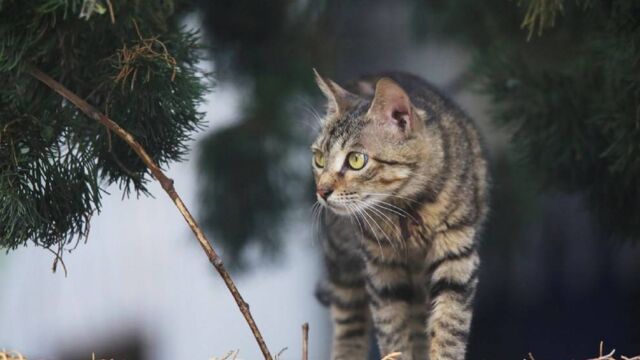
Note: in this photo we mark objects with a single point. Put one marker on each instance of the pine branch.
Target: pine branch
(541, 14)
(167, 185)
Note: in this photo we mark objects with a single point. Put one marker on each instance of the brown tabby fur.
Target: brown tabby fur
(401, 245)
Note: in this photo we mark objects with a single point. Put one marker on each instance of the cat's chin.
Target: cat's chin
(336, 209)
(339, 210)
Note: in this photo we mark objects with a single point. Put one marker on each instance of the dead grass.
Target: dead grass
(11, 355)
(392, 356)
(233, 355)
(602, 355)
(14, 355)
(147, 50)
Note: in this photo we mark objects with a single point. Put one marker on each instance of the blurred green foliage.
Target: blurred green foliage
(248, 181)
(134, 61)
(570, 97)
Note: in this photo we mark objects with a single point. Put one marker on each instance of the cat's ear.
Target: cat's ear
(391, 106)
(338, 98)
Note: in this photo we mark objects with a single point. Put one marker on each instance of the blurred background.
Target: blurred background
(559, 271)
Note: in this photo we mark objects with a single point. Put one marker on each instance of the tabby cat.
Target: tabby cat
(403, 173)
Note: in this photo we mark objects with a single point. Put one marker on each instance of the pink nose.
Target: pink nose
(324, 192)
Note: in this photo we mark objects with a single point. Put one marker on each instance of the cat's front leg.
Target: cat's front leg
(453, 273)
(351, 322)
(345, 292)
(390, 294)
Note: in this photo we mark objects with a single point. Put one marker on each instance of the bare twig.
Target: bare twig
(279, 354)
(305, 341)
(608, 356)
(229, 355)
(58, 258)
(128, 58)
(4, 355)
(111, 15)
(602, 356)
(392, 356)
(167, 185)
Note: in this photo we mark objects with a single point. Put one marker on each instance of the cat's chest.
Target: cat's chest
(396, 236)
(384, 237)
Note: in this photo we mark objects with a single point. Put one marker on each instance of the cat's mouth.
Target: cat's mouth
(337, 208)
(345, 208)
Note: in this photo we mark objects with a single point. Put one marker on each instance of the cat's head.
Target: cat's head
(369, 147)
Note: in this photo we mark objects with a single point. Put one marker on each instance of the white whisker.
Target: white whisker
(312, 111)
(384, 233)
(391, 195)
(353, 212)
(385, 218)
(315, 225)
(395, 209)
(364, 217)
(382, 205)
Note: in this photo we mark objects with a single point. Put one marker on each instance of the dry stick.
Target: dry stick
(305, 341)
(167, 185)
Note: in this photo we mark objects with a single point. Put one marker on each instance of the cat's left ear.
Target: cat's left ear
(339, 99)
(391, 106)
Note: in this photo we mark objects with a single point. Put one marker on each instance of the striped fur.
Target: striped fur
(401, 248)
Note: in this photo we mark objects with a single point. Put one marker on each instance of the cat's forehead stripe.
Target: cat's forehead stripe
(348, 126)
(337, 159)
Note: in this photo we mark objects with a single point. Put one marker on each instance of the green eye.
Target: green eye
(357, 160)
(318, 159)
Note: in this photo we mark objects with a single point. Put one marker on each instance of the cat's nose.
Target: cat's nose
(324, 192)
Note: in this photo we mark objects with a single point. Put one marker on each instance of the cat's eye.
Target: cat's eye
(318, 159)
(357, 160)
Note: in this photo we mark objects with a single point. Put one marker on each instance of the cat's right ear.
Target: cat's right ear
(391, 107)
(338, 98)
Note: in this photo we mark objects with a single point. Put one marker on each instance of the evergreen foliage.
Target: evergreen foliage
(130, 59)
(570, 97)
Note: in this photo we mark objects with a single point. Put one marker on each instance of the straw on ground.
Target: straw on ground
(602, 355)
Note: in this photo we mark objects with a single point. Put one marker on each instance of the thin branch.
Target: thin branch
(58, 258)
(279, 354)
(167, 185)
(305, 341)
(392, 356)
(602, 355)
(111, 14)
